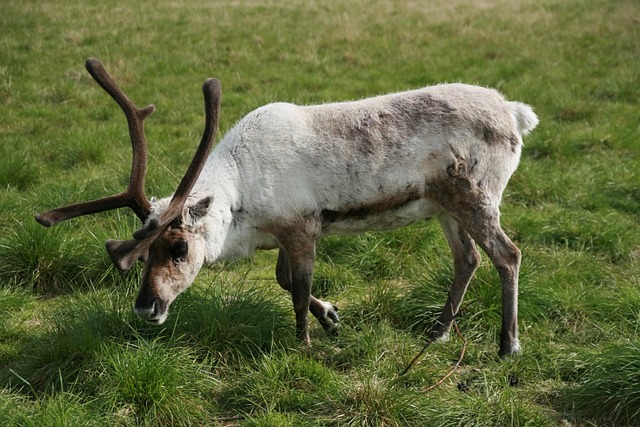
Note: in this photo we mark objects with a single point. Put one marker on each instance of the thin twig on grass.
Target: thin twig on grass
(418, 356)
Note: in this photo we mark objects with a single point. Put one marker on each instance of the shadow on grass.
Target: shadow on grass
(215, 324)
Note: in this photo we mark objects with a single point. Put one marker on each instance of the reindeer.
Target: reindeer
(287, 175)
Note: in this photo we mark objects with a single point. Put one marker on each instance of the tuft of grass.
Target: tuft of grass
(52, 410)
(73, 334)
(142, 383)
(373, 401)
(17, 168)
(607, 388)
(502, 406)
(275, 418)
(283, 382)
(50, 261)
(233, 324)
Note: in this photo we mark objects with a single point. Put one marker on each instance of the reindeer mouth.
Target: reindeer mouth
(154, 313)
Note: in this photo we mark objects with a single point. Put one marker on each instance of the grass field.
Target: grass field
(72, 353)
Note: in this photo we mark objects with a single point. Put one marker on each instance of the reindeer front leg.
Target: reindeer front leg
(299, 250)
(302, 277)
(325, 312)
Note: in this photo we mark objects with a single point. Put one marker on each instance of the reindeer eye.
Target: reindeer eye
(179, 250)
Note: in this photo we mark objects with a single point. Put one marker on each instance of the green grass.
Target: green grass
(73, 353)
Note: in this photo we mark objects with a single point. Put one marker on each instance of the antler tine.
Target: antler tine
(124, 253)
(212, 91)
(133, 197)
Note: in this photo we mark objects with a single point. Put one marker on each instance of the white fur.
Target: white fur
(273, 164)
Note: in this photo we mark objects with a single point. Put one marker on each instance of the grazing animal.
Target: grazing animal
(286, 175)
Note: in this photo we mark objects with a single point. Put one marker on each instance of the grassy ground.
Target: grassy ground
(72, 352)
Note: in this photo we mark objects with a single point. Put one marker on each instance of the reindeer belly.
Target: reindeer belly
(378, 216)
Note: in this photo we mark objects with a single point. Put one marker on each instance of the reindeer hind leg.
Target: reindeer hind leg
(465, 262)
(473, 209)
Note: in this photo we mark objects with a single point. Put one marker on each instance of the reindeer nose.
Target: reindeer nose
(152, 310)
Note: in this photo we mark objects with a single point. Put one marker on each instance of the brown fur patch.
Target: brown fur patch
(364, 210)
(489, 134)
(295, 236)
(458, 193)
(458, 168)
(160, 264)
(515, 143)
(374, 129)
(417, 109)
(409, 114)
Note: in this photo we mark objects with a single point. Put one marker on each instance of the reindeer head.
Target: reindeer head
(169, 242)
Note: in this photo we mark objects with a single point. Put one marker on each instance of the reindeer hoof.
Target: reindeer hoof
(329, 318)
(510, 349)
(440, 333)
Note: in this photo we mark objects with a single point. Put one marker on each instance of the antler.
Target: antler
(125, 253)
(133, 196)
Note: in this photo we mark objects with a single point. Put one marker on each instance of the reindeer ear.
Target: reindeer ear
(200, 209)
